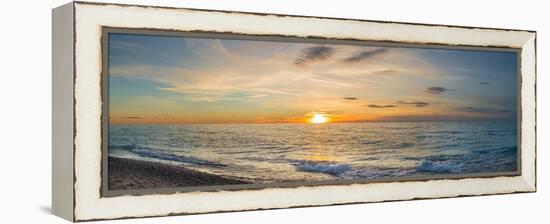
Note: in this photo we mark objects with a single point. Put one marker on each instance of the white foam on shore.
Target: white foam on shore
(335, 169)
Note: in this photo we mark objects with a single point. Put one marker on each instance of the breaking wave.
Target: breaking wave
(165, 156)
(335, 169)
(439, 167)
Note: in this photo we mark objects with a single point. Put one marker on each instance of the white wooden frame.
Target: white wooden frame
(77, 110)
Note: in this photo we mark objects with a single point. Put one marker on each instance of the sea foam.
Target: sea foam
(146, 153)
(284, 152)
(439, 167)
(335, 169)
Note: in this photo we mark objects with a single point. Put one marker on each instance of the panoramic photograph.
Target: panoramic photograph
(211, 111)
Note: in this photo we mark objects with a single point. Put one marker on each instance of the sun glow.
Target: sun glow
(318, 119)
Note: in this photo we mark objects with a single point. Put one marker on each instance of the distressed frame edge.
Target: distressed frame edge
(302, 206)
(62, 198)
(529, 182)
(105, 31)
(298, 16)
(529, 117)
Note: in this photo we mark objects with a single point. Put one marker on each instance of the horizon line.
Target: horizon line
(334, 122)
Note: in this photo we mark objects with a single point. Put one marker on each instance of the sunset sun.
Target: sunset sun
(318, 119)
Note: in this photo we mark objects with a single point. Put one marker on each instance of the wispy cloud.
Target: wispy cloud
(380, 106)
(385, 72)
(366, 55)
(314, 54)
(350, 98)
(229, 74)
(483, 110)
(416, 104)
(278, 80)
(132, 117)
(436, 90)
(125, 45)
(257, 95)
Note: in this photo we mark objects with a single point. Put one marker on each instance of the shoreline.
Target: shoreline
(129, 174)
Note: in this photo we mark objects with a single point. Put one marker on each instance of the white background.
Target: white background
(25, 112)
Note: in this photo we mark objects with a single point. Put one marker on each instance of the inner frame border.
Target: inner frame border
(106, 30)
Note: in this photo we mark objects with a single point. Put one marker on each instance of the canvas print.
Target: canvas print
(191, 111)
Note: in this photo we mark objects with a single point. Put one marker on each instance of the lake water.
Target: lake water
(266, 153)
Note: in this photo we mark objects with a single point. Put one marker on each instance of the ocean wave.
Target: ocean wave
(335, 169)
(439, 167)
(127, 147)
(500, 130)
(375, 173)
(405, 145)
(146, 153)
(279, 148)
(443, 132)
(509, 150)
(175, 158)
(239, 152)
(371, 142)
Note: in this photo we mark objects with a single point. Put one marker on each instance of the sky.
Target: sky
(182, 80)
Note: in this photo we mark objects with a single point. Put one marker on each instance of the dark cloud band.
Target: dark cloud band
(380, 106)
(436, 90)
(313, 54)
(132, 117)
(417, 103)
(483, 110)
(350, 98)
(366, 55)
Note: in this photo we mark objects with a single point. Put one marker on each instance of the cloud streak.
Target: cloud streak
(436, 90)
(416, 104)
(132, 117)
(385, 72)
(245, 81)
(483, 110)
(314, 54)
(380, 106)
(365, 55)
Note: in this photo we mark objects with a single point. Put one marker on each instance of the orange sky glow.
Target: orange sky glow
(179, 80)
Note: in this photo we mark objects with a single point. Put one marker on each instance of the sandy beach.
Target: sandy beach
(127, 174)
